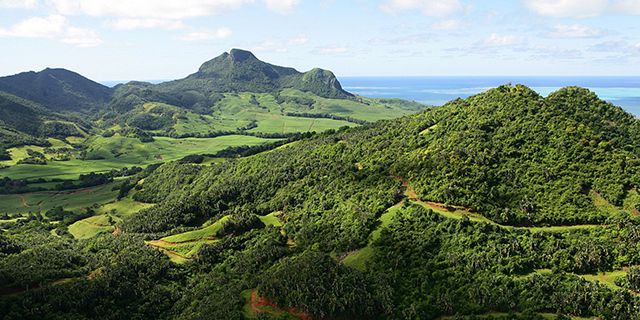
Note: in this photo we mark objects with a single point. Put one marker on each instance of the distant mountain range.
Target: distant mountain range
(59, 102)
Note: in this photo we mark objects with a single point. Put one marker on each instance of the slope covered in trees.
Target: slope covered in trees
(511, 155)
(59, 90)
(554, 179)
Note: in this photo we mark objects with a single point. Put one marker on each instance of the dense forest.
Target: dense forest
(503, 205)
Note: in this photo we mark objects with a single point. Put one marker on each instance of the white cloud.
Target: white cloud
(583, 8)
(161, 9)
(19, 4)
(628, 6)
(52, 27)
(282, 6)
(447, 25)
(148, 23)
(220, 33)
(299, 40)
(497, 40)
(568, 8)
(574, 31)
(404, 40)
(81, 37)
(270, 46)
(619, 47)
(332, 50)
(37, 27)
(432, 8)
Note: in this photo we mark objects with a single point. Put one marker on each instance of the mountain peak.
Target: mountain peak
(239, 55)
(58, 89)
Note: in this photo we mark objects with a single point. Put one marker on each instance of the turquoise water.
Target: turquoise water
(621, 91)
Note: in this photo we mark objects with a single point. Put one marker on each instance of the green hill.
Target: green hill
(505, 205)
(58, 90)
(510, 154)
(236, 71)
(233, 94)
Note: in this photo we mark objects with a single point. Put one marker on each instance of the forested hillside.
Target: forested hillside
(56, 124)
(506, 204)
(59, 90)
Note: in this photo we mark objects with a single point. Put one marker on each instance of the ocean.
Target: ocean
(621, 91)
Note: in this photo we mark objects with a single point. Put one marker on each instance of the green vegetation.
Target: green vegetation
(89, 227)
(506, 205)
(359, 258)
(208, 232)
(116, 152)
(70, 200)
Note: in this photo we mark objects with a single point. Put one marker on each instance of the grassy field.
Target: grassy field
(123, 208)
(237, 110)
(73, 200)
(358, 258)
(631, 202)
(107, 216)
(364, 109)
(207, 232)
(606, 278)
(91, 226)
(118, 152)
(182, 247)
(271, 219)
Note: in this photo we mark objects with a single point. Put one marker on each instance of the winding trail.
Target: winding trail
(168, 252)
(457, 212)
(24, 202)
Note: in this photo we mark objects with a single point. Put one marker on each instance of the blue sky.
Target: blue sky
(163, 39)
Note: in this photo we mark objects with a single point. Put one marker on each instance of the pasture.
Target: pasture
(72, 200)
(117, 152)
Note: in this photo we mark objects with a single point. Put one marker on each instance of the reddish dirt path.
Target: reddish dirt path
(24, 202)
(257, 302)
(154, 244)
(85, 190)
(413, 196)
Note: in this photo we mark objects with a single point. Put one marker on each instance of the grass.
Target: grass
(117, 152)
(358, 259)
(91, 226)
(107, 215)
(236, 110)
(606, 278)
(19, 153)
(630, 202)
(123, 208)
(603, 205)
(73, 200)
(205, 233)
(369, 109)
(271, 219)
(183, 246)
